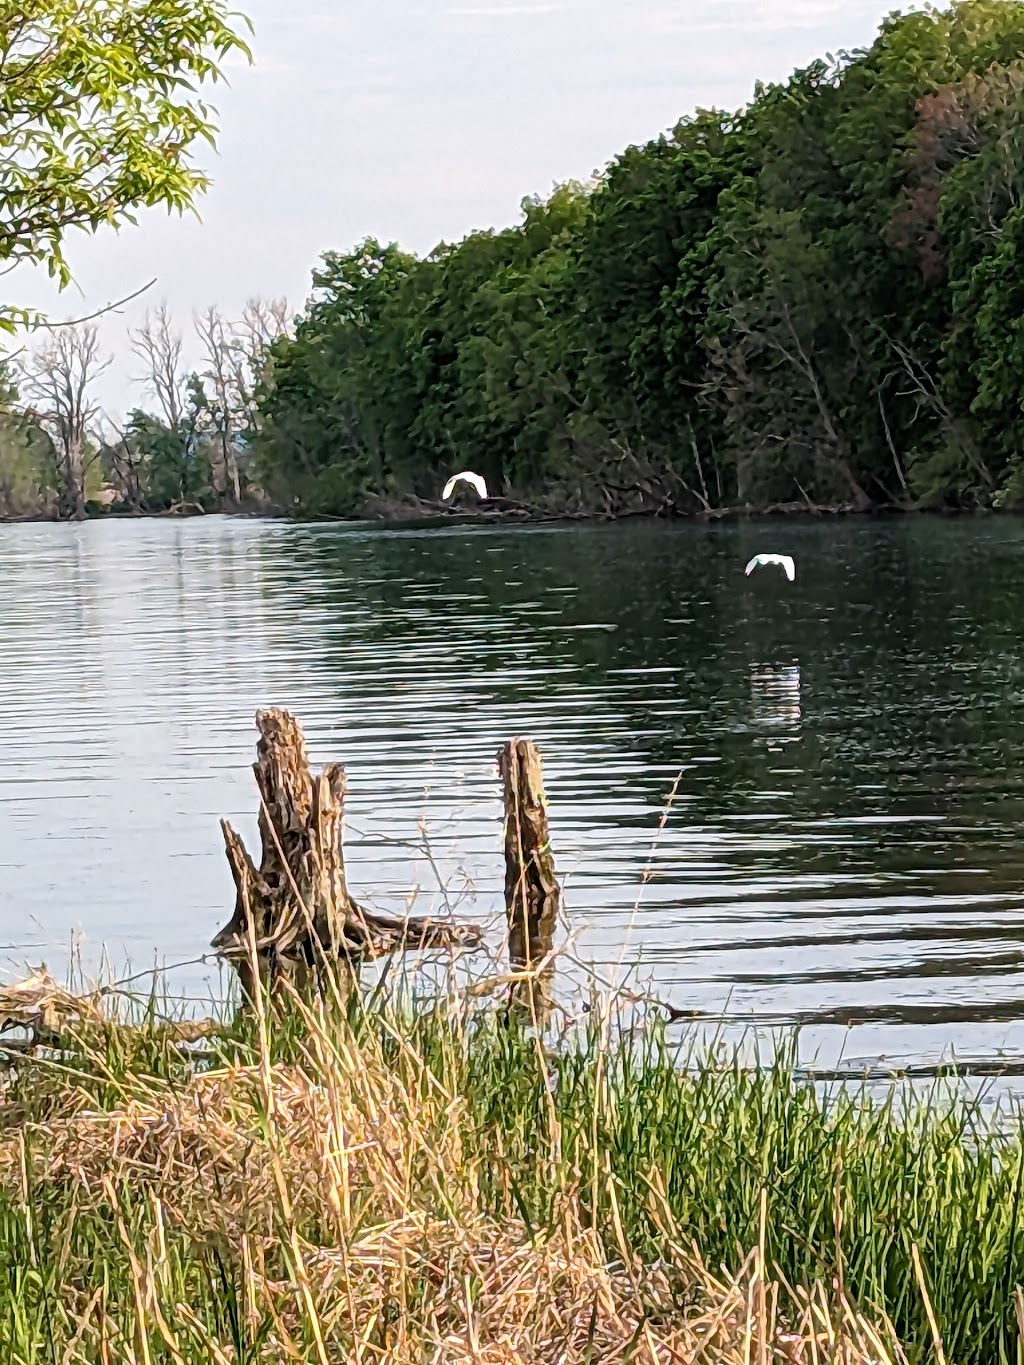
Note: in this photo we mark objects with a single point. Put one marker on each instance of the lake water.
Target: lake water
(846, 844)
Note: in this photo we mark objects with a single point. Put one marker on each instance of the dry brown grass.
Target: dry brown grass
(345, 1192)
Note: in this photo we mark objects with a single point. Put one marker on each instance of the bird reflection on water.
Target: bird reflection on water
(775, 694)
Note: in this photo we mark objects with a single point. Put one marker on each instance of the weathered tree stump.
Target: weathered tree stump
(297, 908)
(532, 893)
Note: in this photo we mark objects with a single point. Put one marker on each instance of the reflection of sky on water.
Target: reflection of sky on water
(843, 846)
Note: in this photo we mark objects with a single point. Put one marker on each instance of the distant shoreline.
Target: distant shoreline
(428, 515)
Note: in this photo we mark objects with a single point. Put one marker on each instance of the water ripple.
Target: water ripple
(842, 849)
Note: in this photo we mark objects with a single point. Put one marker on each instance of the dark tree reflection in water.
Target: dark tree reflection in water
(845, 848)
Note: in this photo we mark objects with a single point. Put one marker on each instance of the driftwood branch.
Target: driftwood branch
(40, 1005)
(58, 1021)
(295, 910)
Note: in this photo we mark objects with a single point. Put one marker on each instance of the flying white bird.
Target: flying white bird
(467, 476)
(783, 561)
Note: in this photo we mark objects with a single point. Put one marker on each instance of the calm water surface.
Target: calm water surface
(846, 844)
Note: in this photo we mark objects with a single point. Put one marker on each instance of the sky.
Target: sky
(418, 121)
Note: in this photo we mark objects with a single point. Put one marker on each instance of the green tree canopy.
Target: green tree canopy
(816, 299)
(100, 115)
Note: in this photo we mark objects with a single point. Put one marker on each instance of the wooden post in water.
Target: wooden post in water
(297, 907)
(532, 894)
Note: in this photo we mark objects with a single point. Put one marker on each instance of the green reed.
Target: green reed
(660, 1145)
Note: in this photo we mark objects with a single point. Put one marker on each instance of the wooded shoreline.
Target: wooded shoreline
(427, 515)
(810, 303)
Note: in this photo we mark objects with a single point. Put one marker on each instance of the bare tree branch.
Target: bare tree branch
(221, 393)
(159, 346)
(44, 324)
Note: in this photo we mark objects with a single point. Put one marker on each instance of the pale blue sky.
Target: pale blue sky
(418, 120)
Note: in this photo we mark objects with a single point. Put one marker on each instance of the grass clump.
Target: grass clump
(430, 1184)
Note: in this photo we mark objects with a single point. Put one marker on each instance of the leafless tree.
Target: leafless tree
(263, 321)
(158, 344)
(58, 380)
(234, 360)
(219, 377)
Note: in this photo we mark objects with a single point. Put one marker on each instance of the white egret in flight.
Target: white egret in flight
(783, 561)
(467, 476)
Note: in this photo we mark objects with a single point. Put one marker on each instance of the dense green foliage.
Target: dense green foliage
(816, 299)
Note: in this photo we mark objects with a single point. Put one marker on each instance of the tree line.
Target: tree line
(187, 446)
(103, 112)
(814, 300)
(817, 299)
